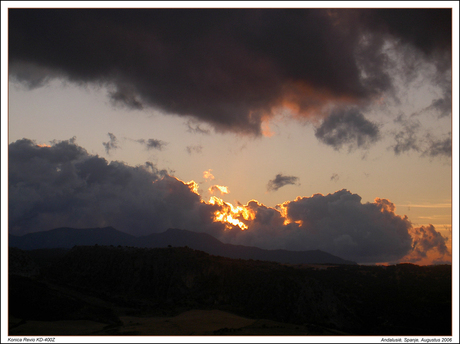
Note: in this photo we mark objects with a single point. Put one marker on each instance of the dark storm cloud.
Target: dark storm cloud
(340, 224)
(125, 97)
(152, 143)
(63, 185)
(347, 128)
(428, 30)
(230, 68)
(111, 144)
(281, 181)
(337, 223)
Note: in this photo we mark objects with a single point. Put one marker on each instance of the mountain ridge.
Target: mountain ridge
(67, 237)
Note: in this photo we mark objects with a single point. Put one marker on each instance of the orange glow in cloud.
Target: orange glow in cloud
(193, 186)
(429, 246)
(230, 215)
(385, 205)
(43, 145)
(208, 175)
(223, 189)
(305, 101)
(266, 131)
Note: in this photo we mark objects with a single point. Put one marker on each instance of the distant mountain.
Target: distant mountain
(69, 237)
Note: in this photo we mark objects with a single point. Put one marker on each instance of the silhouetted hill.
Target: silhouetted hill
(69, 237)
(104, 283)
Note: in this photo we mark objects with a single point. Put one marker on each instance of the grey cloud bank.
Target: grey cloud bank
(64, 186)
(232, 68)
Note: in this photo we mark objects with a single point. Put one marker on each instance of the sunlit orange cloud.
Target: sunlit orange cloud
(223, 189)
(230, 215)
(43, 145)
(193, 186)
(305, 101)
(385, 205)
(429, 247)
(208, 175)
(266, 131)
(227, 214)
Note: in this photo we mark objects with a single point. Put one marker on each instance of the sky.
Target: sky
(289, 129)
(297, 129)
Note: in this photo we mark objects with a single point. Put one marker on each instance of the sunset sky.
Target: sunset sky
(296, 129)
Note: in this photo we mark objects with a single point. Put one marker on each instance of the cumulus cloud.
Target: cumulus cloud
(111, 144)
(64, 185)
(241, 65)
(61, 184)
(347, 128)
(281, 181)
(427, 238)
(428, 241)
(339, 223)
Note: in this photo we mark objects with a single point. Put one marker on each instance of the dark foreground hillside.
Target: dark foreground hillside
(120, 286)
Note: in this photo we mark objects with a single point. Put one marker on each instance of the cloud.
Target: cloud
(152, 144)
(439, 147)
(408, 139)
(218, 188)
(125, 96)
(111, 144)
(62, 185)
(428, 241)
(207, 175)
(194, 149)
(347, 128)
(442, 105)
(427, 238)
(197, 129)
(230, 68)
(340, 224)
(281, 181)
